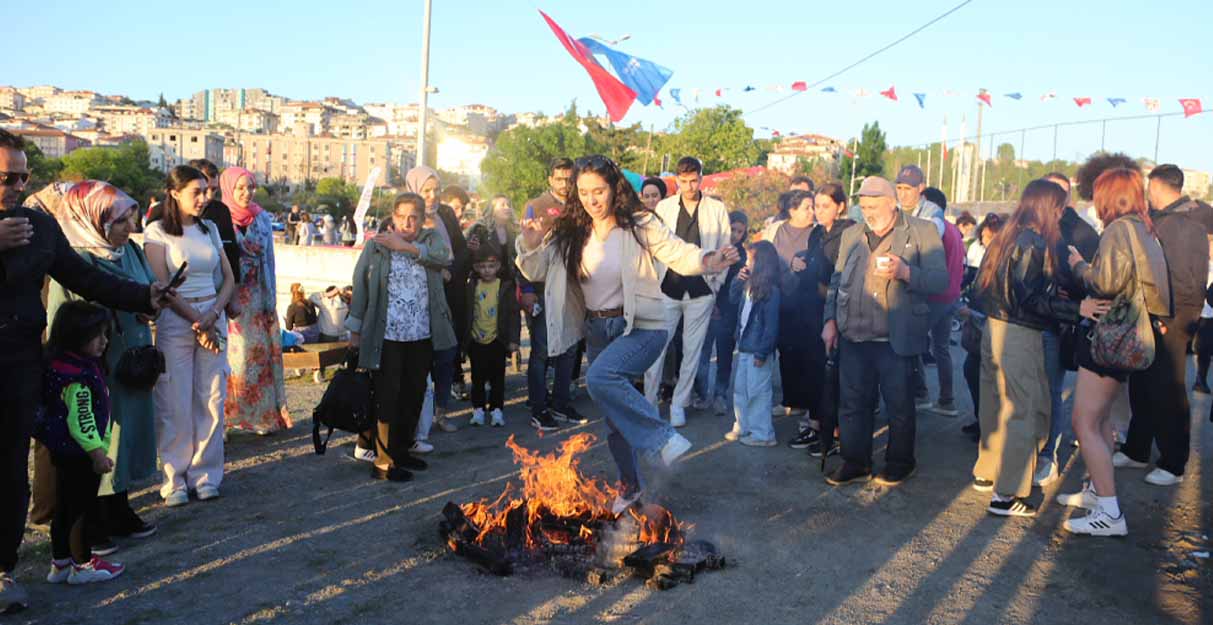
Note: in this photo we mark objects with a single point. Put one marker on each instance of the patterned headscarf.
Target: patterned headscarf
(88, 211)
(241, 215)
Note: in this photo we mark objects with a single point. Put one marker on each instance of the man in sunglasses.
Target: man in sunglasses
(32, 246)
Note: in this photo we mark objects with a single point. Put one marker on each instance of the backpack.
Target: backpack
(348, 404)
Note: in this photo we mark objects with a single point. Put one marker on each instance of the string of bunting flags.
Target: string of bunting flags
(683, 96)
(635, 79)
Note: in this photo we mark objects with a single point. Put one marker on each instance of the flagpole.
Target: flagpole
(929, 163)
(425, 84)
(855, 159)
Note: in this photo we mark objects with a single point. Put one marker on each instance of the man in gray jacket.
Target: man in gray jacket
(876, 314)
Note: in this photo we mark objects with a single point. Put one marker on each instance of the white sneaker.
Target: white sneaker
(477, 417)
(177, 498)
(207, 492)
(498, 419)
(750, 441)
(363, 454)
(678, 416)
(1098, 523)
(421, 447)
(623, 502)
(1121, 461)
(1163, 477)
(95, 570)
(674, 448)
(1046, 473)
(1084, 498)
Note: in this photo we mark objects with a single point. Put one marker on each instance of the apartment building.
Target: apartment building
(172, 146)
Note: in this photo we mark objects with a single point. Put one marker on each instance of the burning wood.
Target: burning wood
(562, 518)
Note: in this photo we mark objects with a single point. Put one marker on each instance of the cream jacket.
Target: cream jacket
(643, 301)
(714, 230)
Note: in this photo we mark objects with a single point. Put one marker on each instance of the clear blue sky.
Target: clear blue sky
(501, 53)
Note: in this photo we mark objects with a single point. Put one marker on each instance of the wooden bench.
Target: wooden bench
(316, 356)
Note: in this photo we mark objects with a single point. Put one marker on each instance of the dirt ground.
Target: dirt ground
(299, 538)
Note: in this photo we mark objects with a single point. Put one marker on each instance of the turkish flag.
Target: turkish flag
(890, 93)
(800, 85)
(1191, 106)
(1081, 102)
(617, 97)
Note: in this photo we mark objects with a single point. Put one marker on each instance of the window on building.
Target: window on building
(172, 137)
(193, 139)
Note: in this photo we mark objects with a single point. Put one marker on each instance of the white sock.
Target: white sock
(1110, 505)
(998, 497)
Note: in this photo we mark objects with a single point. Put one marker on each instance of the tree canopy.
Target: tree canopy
(126, 166)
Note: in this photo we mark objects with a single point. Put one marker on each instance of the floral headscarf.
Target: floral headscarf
(88, 212)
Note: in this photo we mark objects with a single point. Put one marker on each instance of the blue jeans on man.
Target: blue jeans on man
(868, 370)
(633, 424)
(537, 368)
(1059, 423)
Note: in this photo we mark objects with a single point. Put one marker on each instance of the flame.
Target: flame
(559, 505)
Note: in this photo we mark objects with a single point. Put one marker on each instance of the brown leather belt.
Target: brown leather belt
(606, 314)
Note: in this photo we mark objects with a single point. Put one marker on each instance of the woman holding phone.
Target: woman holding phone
(192, 333)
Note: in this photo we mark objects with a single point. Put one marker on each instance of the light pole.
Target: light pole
(425, 84)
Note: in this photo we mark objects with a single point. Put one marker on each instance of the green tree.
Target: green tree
(756, 196)
(337, 194)
(1006, 153)
(717, 136)
(517, 165)
(126, 167)
(869, 158)
(42, 169)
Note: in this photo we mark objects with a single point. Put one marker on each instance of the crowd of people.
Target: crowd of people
(834, 309)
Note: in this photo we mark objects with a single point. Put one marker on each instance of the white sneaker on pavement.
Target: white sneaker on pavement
(363, 454)
(1121, 461)
(1163, 477)
(1084, 498)
(421, 447)
(678, 416)
(177, 498)
(477, 417)
(1098, 523)
(497, 419)
(750, 440)
(674, 449)
(1046, 473)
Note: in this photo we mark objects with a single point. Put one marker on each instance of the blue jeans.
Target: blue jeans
(537, 368)
(615, 359)
(720, 335)
(1059, 422)
(752, 397)
(866, 371)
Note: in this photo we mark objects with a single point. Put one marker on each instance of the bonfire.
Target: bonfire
(562, 518)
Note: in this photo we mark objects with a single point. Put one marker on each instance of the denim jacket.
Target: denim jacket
(761, 332)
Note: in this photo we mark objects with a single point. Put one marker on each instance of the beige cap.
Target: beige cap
(875, 186)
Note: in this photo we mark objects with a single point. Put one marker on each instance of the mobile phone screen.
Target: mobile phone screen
(179, 277)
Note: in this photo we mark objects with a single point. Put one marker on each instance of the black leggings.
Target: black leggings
(488, 367)
(75, 506)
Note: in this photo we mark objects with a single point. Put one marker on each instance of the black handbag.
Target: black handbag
(970, 334)
(348, 404)
(827, 413)
(140, 367)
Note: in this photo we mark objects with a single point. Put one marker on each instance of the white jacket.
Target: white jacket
(714, 230)
(643, 301)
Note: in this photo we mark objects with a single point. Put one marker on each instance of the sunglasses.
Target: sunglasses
(9, 179)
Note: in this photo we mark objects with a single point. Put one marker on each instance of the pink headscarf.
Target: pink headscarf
(88, 211)
(241, 215)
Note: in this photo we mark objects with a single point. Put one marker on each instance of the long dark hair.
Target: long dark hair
(1039, 210)
(178, 179)
(765, 277)
(572, 228)
(76, 323)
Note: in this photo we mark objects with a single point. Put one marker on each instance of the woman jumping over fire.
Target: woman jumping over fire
(602, 281)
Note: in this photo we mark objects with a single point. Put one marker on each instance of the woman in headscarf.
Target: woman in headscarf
(97, 219)
(256, 394)
(441, 218)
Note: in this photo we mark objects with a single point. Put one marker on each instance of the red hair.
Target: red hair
(1120, 192)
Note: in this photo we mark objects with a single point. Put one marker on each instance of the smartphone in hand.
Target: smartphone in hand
(179, 277)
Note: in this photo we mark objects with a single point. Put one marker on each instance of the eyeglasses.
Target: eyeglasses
(8, 178)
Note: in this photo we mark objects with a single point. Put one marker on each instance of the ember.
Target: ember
(562, 518)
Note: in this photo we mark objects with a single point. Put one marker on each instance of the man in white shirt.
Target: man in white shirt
(703, 221)
(333, 311)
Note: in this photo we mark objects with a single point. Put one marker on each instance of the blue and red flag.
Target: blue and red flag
(617, 96)
(642, 76)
